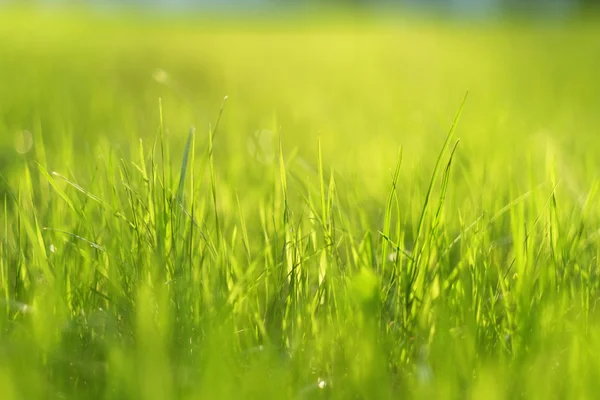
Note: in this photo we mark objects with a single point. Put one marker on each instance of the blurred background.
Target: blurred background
(453, 7)
(392, 74)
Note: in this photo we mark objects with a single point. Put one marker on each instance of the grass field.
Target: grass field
(348, 223)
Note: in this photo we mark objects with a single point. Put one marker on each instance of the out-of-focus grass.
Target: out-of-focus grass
(273, 269)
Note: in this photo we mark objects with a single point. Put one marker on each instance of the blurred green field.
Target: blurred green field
(319, 234)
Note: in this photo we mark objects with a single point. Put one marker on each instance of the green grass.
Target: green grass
(321, 233)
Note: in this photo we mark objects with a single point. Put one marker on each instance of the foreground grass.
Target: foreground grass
(318, 234)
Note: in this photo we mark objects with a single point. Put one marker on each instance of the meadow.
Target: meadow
(274, 208)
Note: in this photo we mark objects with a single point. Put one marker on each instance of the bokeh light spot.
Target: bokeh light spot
(23, 142)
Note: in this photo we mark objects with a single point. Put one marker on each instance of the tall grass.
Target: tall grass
(320, 234)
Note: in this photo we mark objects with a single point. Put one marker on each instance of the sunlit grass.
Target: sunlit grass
(295, 210)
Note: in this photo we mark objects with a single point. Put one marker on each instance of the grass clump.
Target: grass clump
(319, 234)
